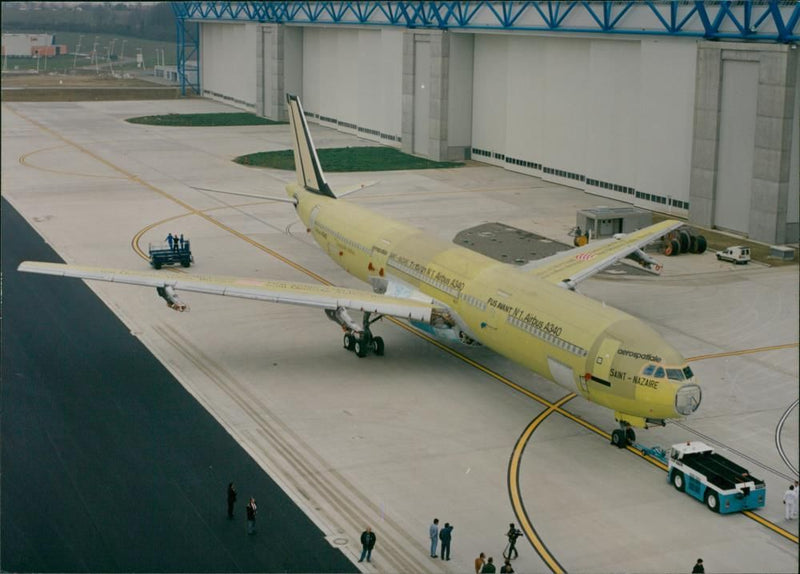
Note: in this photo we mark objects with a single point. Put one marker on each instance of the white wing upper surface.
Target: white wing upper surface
(306, 294)
(573, 266)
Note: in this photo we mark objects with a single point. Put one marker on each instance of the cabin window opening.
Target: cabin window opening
(659, 373)
(687, 371)
(648, 370)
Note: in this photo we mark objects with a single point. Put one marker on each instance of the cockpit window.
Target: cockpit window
(675, 374)
(659, 373)
(688, 372)
(648, 370)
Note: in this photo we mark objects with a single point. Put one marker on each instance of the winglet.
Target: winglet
(309, 172)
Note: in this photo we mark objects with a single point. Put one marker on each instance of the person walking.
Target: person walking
(252, 510)
(512, 535)
(433, 533)
(489, 567)
(368, 539)
(789, 501)
(698, 567)
(479, 562)
(446, 536)
(231, 499)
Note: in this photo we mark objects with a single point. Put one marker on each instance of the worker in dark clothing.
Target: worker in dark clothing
(170, 239)
(252, 510)
(698, 567)
(512, 534)
(445, 535)
(231, 498)
(489, 567)
(368, 539)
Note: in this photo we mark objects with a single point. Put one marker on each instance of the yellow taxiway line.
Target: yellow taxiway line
(744, 352)
(516, 494)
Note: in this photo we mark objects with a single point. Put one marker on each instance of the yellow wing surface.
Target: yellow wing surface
(573, 266)
(306, 294)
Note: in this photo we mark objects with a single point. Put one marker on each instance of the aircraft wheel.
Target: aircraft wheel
(684, 239)
(377, 346)
(712, 501)
(360, 348)
(672, 248)
(618, 438)
(630, 435)
(692, 244)
(348, 341)
(702, 244)
(677, 481)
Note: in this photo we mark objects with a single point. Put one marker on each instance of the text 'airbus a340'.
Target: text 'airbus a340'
(530, 314)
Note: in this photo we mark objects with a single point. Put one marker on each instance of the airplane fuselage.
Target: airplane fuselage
(601, 353)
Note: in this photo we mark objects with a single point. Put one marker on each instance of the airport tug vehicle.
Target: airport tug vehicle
(723, 485)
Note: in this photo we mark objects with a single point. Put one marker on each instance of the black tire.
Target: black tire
(360, 348)
(719, 258)
(378, 346)
(672, 248)
(702, 244)
(678, 481)
(630, 435)
(618, 438)
(185, 263)
(156, 264)
(692, 244)
(712, 500)
(684, 240)
(348, 341)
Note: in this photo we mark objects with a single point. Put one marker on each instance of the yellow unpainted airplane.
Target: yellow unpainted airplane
(530, 314)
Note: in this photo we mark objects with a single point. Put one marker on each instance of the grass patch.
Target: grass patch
(204, 120)
(369, 158)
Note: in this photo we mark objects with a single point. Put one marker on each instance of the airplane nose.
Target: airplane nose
(687, 399)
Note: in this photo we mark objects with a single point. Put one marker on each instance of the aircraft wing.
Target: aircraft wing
(568, 268)
(307, 294)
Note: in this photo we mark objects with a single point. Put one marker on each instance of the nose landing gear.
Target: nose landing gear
(623, 436)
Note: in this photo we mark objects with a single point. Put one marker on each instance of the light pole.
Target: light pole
(77, 51)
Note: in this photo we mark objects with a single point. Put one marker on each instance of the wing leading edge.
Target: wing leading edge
(306, 294)
(568, 268)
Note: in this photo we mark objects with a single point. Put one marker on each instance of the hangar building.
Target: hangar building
(687, 108)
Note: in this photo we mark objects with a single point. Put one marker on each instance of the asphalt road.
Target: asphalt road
(108, 463)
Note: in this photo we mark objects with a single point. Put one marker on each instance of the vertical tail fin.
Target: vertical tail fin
(306, 162)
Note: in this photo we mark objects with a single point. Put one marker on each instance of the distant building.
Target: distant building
(27, 45)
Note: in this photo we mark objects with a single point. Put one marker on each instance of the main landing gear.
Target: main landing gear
(358, 339)
(623, 436)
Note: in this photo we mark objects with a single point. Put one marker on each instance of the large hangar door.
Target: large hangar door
(737, 133)
(422, 102)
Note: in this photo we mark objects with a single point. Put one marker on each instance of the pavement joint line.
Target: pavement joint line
(514, 487)
(743, 352)
(551, 406)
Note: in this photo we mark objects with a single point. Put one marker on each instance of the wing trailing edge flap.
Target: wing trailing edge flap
(288, 292)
